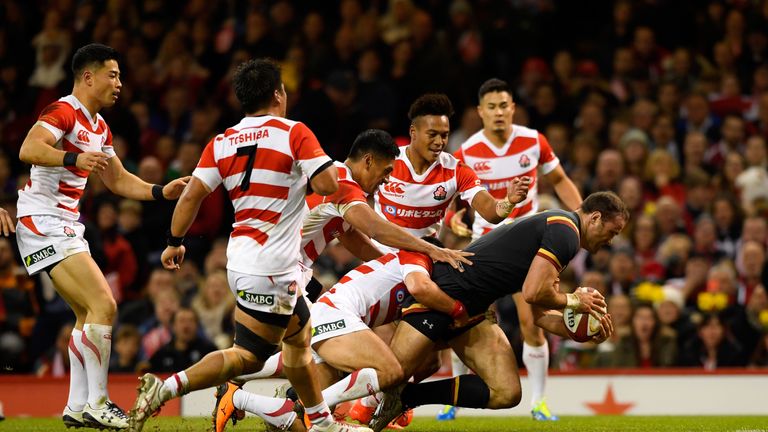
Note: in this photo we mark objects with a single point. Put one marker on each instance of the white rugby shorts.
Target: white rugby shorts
(45, 240)
(329, 322)
(270, 294)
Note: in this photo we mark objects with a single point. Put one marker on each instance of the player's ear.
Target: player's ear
(595, 217)
(412, 131)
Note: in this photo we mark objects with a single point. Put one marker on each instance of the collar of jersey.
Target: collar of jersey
(417, 177)
(499, 151)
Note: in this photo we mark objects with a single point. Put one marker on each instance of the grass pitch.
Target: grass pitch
(466, 424)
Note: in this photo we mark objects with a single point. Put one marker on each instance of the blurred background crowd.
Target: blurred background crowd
(662, 101)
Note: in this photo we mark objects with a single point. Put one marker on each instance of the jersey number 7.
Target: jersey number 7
(249, 151)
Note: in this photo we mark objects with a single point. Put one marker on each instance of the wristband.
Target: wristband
(572, 302)
(458, 309)
(157, 193)
(173, 241)
(70, 159)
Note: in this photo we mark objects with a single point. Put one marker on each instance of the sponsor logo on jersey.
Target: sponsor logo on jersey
(259, 299)
(36, 257)
(325, 328)
(504, 184)
(481, 167)
(440, 193)
(394, 188)
(418, 213)
(389, 209)
(83, 136)
(69, 231)
(525, 161)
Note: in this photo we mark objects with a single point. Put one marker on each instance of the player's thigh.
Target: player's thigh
(80, 282)
(385, 332)
(486, 350)
(410, 346)
(358, 350)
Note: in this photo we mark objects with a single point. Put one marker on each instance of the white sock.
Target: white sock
(78, 379)
(177, 384)
(277, 412)
(536, 361)
(371, 401)
(457, 366)
(357, 384)
(97, 346)
(273, 367)
(320, 414)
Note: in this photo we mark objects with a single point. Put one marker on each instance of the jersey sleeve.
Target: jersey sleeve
(307, 151)
(560, 242)
(414, 262)
(207, 169)
(107, 147)
(58, 118)
(347, 196)
(547, 158)
(467, 182)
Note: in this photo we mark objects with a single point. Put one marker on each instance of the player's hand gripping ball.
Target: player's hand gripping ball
(581, 326)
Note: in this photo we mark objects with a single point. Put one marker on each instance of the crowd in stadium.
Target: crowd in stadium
(664, 103)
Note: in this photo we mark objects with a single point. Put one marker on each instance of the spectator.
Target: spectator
(672, 314)
(214, 306)
(127, 347)
(185, 347)
(648, 343)
(18, 310)
(713, 347)
(157, 330)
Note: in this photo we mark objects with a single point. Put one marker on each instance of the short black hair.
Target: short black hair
(255, 83)
(491, 86)
(430, 104)
(607, 203)
(375, 141)
(433, 240)
(92, 53)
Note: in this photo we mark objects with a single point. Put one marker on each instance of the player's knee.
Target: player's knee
(103, 308)
(390, 375)
(505, 397)
(249, 362)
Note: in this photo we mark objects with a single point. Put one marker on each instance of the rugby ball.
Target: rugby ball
(581, 326)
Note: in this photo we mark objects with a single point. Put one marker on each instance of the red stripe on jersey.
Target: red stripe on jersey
(520, 144)
(439, 174)
(60, 115)
(386, 258)
(261, 190)
(521, 211)
(373, 313)
(71, 209)
(325, 300)
(69, 147)
(479, 150)
(311, 251)
(498, 187)
(258, 214)
(70, 191)
(393, 306)
(248, 231)
(83, 120)
(344, 279)
(30, 224)
(569, 225)
(266, 159)
(364, 269)
(551, 261)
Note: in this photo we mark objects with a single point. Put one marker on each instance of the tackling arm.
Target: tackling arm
(426, 292)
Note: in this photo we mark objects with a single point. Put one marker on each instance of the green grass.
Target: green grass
(468, 424)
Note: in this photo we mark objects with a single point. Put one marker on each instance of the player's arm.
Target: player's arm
(325, 180)
(541, 289)
(359, 245)
(183, 216)
(495, 211)
(38, 149)
(364, 219)
(426, 292)
(123, 183)
(565, 188)
(550, 320)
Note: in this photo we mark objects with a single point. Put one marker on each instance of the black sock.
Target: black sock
(291, 394)
(313, 289)
(468, 391)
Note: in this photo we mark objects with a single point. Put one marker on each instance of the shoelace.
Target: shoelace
(116, 410)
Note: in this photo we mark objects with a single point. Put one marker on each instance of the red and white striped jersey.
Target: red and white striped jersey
(57, 190)
(417, 203)
(325, 220)
(524, 152)
(375, 290)
(268, 215)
